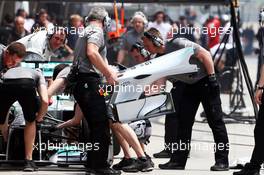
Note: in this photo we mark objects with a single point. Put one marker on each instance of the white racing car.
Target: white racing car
(127, 101)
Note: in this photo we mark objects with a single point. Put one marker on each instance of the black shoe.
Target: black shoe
(107, 171)
(30, 166)
(172, 166)
(162, 154)
(220, 167)
(248, 170)
(142, 164)
(149, 158)
(123, 163)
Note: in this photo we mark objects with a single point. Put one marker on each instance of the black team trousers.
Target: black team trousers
(178, 126)
(93, 106)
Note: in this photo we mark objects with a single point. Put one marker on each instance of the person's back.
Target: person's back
(24, 73)
(180, 43)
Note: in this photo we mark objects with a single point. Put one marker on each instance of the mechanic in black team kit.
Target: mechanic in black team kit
(20, 84)
(188, 93)
(90, 55)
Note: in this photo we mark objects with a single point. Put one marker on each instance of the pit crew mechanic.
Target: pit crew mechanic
(10, 56)
(90, 55)
(20, 84)
(192, 89)
(125, 135)
(257, 157)
(43, 44)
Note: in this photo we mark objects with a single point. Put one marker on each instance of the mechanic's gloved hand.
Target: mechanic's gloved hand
(214, 88)
(212, 80)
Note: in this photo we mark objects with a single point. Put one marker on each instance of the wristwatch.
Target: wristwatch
(212, 77)
(260, 87)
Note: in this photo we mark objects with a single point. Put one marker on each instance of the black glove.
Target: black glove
(214, 88)
(212, 80)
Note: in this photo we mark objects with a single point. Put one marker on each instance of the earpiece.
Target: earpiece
(107, 23)
(155, 40)
(141, 49)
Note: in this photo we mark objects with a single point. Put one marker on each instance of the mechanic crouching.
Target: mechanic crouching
(20, 84)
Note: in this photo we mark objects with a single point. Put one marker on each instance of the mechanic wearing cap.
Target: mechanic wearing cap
(90, 56)
(20, 84)
(200, 87)
(139, 22)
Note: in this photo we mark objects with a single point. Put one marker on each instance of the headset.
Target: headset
(141, 49)
(155, 40)
(106, 22)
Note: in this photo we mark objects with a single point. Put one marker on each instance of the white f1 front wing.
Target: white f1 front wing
(133, 81)
(136, 78)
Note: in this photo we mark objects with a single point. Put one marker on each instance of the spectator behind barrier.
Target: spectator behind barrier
(18, 31)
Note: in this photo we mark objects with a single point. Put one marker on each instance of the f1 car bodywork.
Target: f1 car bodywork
(126, 99)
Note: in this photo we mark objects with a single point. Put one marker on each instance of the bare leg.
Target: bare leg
(29, 138)
(124, 145)
(130, 136)
(76, 120)
(143, 146)
(4, 128)
(4, 131)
